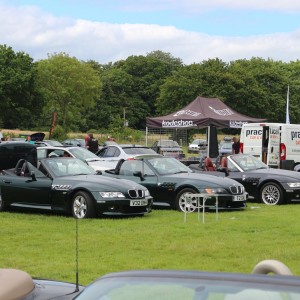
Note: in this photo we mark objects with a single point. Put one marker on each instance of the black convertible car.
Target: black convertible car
(71, 186)
(169, 182)
(192, 285)
(160, 284)
(268, 185)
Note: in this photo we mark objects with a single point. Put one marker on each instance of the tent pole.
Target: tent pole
(208, 140)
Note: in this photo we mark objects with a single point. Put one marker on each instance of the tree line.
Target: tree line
(87, 95)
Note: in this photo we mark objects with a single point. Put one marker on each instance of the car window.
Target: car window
(129, 167)
(112, 152)
(41, 153)
(140, 166)
(102, 152)
(56, 153)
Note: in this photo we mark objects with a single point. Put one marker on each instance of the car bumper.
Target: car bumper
(229, 202)
(292, 194)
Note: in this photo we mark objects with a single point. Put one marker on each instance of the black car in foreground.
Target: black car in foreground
(268, 185)
(197, 285)
(160, 284)
(69, 185)
(170, 181)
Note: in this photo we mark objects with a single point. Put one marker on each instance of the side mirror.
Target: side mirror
(98, 172)
(139, 174)
(33, 177)
(224, 170)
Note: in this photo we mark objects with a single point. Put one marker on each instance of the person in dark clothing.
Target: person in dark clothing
(92, 144)
(235, 145)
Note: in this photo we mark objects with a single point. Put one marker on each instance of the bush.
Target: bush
(59, 133)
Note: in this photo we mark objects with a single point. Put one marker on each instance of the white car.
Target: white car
(111, 154)
(78, 152)
(196, 145)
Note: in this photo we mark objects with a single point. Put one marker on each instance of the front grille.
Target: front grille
(236, 189)
(136, 194)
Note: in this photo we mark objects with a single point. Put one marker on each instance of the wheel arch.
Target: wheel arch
(185, 186)
(269, 181)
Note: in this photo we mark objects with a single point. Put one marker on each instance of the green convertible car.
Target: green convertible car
(69, 185)
(171, 183)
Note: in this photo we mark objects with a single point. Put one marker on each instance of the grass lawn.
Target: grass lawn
(44, 244)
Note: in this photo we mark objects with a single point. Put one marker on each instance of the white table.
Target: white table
(200, 203)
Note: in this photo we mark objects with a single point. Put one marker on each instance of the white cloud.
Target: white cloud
(38, 33)
(197, 6)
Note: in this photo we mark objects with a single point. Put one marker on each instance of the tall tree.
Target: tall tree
(70, 87)
(18, 95)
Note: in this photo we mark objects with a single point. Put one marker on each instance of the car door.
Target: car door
(110, 154)
(25, 191)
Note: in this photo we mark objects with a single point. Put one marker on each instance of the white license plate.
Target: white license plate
(138, 202)
(239, 198)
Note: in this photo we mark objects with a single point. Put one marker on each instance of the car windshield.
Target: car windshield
(137, 150)
(168, 165)
(248, 162)
(180, 287)
(226, 145)
(68, 166)
(83, 153)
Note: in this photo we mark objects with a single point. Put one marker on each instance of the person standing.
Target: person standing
(92, 144)
(235, 145)
(86, 139)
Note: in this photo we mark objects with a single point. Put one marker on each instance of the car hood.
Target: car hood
(99, 182)
(285, 175)
(204, 179)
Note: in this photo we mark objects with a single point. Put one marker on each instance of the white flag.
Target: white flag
(287, 118)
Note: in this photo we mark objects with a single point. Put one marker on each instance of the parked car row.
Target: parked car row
(70, 179)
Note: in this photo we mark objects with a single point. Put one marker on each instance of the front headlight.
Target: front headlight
(294, 184)
(214, 191)
(147, 193)
(111, 195)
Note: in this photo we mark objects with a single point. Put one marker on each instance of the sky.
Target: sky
(192, 30)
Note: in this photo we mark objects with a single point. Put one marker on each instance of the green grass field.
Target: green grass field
(44, 245)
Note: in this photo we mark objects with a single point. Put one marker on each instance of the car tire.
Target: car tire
(271, 194)
(2, 203)
(82, 206)
(182, 205)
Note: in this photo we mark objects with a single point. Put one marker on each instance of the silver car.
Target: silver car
(111, 154)
(78, 152)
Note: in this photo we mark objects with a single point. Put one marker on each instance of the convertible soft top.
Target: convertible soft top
(15, 284)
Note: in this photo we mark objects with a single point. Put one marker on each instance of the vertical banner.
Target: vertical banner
(53, 122)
